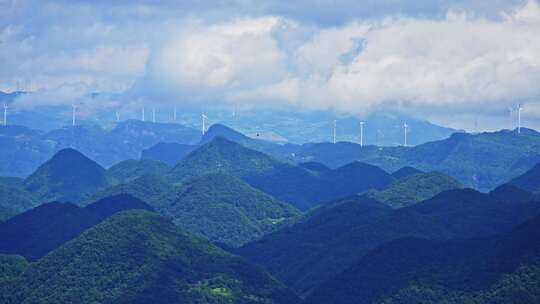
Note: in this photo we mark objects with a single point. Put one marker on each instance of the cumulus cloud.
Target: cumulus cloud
(449, 56)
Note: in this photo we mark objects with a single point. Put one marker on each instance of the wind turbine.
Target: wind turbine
(335, 126)
(5, 114)
(153, 115)
(511, 121)
(361, 134)
(204, 118)
(519, 108)
(405, 128)
(73, 115)
(142, 114)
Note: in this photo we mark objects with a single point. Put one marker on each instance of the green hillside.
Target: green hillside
(67, 176)
(414, 188)
(225, 209)
(129, 170)
(148, 188)
(15, 199)
(482, 161)
(222, 155)
(301, 187)
(38, 231)
(500, 269)
(302, 256)
(139, 257)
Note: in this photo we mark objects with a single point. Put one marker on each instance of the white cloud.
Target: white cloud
(456, 62)
(228, 56)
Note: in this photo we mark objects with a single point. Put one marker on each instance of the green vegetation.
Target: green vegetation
(529, 181)
(38, 231)
(139, 257)
(148, 188)
(225, 209)
(330, 238)
(221, 155)
(14, 199)
(11, 267)
(482, 161)
(414, 188)
(129, 170)
(499, 269)
(298, 186)
(169, 153)
(67, 176)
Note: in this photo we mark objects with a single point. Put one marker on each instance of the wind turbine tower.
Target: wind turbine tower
(5, 114)
(361, 134)
(405, 131)
(519, 108)
(74, 115)
(335, 127)
(204, 118)
(511, 117)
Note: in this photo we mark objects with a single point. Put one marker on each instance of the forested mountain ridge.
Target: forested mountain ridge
(500, 269)
(139, 257)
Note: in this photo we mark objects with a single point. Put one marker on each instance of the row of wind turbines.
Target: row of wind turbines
(361, 123)
(512, 110)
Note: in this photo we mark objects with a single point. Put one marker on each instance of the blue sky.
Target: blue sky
(445, 60)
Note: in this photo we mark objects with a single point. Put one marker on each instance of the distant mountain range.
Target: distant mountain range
(278, 125)
(25, 149)
(393, 225)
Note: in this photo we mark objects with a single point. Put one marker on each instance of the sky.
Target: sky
(452, 62)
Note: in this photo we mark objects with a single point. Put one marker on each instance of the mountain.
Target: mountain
(529, 181)
(129, 170)
(283, 181)
(219, 130)
(405, 171)
(296, 185)
(148, 188)
(314, 166)
(38, 231)
(499, 269)
(330, 238)
(482, 161)
(140, 257)
(125, 141)
(382, 128)
(14, 198)
(25, 149)
(225, 209)
(222, 155)
(22, 150)
(414, 188)
(281, 151)
(67, 176)
(352, 178)
(169, 153)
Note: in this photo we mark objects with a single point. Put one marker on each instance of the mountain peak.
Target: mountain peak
(67, 176)
(219, 130)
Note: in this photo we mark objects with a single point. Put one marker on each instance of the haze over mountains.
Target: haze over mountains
(308, 218)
